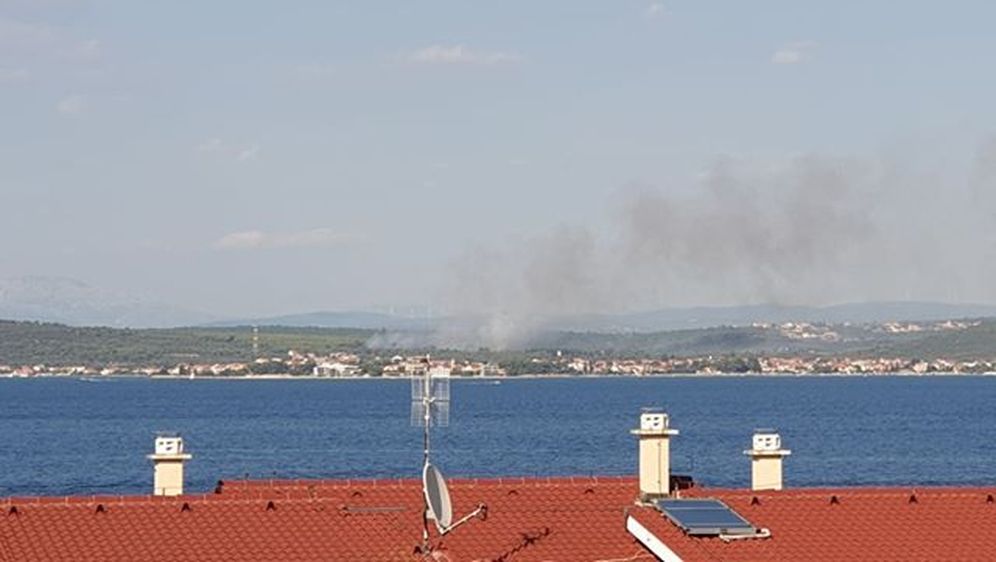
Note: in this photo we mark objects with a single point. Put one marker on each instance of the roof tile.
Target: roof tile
(572, 519)
(549, 519)
(865, 524)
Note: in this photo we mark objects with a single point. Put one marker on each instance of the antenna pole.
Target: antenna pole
(426, 420)
(427, 415)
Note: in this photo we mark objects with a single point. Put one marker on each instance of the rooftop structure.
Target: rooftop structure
(766, 456)
(654, 435)
(168, 460)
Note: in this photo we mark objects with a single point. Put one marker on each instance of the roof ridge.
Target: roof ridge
(285, 488)
(176, 501)
(849, 490)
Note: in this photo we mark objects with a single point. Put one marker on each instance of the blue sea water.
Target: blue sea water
(73, 437)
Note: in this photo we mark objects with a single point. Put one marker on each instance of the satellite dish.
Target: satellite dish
(437, 497)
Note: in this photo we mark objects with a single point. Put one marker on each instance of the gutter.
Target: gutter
(650, 541)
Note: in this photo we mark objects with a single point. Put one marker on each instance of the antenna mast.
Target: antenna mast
(431, 406)
(430, 402)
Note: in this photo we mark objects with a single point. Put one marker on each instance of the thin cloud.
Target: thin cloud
(13, 75)
(71, 105)
(211, 145)
(249, 153)
(315, 70)
(261, 240)
(794, 53)
(655, 10)
(42, 41)
(460, 55)
(218, 147)
(89, 50)
(14, 33)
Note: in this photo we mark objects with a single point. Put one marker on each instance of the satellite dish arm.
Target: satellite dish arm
(481, 512)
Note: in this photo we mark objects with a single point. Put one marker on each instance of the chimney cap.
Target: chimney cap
(767, 442)
(654, 422)
(169, 445)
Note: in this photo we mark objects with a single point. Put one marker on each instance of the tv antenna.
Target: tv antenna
(431, 407)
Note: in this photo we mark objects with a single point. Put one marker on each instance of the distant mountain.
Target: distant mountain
(347, 319)
(668, 319)
(904, 311)
(706, 317)
(73, 302)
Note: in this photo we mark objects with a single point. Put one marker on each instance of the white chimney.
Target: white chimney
(766, 460)
(655, 454)
(168, 462)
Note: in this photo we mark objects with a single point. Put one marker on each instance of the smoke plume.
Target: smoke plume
(811, 230)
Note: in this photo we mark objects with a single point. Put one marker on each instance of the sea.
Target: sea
(69, 436)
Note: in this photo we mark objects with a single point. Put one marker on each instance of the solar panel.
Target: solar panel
(704, 517)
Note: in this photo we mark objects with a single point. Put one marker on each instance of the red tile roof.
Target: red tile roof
(354, 520)
(879, 524)
(557, 519)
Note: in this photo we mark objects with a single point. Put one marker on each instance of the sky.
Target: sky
(257, 158)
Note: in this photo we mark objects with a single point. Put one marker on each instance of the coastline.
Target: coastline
(494, 379)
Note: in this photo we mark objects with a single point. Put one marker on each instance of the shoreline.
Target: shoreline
(494, 379)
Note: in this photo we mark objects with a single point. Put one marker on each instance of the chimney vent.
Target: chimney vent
(766, 460)
(654, 435)
(168, 462)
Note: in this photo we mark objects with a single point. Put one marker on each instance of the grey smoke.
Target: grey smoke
(812, 230)
(746, 236)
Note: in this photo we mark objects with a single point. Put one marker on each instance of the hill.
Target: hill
(663, 320)
(332, 319)
(28, 343)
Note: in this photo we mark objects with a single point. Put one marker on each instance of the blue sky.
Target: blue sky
(251, 158)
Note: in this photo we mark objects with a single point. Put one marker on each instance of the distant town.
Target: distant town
(942, 347)
(348, 365)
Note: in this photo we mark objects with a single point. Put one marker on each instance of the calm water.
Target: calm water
(65, 436)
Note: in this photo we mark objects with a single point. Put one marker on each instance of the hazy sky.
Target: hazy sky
(248, 158)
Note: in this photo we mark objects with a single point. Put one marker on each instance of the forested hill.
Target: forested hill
(25, 343)
(29, 343)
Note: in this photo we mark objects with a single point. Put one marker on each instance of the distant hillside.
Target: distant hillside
(975, 342)
(978, 342)
(669, 319)
(707, 317)
(348, 319)
(27, 343)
